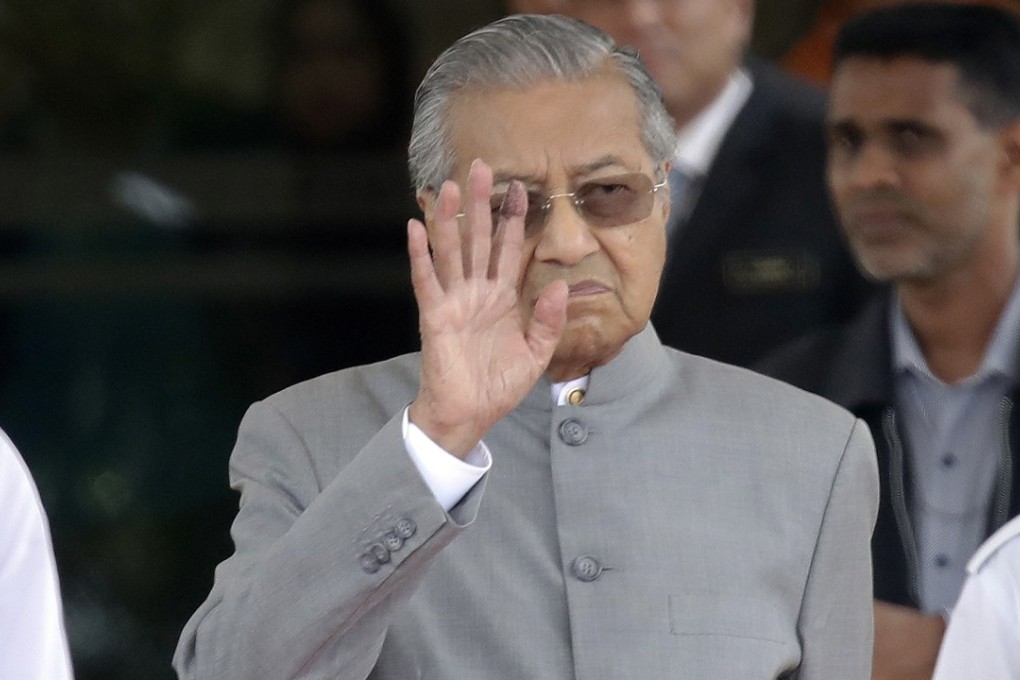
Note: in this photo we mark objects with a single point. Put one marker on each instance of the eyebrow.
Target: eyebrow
(913, 125)
(886, 124)
(606, 161)
(840, 123)
(598, 164)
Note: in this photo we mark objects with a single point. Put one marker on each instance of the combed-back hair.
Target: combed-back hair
(982, 42)
(516, 52)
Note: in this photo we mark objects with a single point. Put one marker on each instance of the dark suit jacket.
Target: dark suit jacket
(852, 366)
(760, 260)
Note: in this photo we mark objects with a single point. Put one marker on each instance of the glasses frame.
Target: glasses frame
(579, 202)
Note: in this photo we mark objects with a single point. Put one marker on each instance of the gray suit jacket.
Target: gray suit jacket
(688, 520)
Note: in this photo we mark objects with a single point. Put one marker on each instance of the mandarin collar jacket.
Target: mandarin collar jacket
(687, 519)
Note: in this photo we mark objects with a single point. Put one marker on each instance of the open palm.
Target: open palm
(479, 357)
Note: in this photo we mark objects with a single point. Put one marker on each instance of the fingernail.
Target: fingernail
(515, 202)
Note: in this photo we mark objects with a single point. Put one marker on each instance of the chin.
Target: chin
(590, 344)
(891, 270)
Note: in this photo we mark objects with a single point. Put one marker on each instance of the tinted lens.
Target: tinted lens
(605, 202)
(534, 219)
(613, 201)
(495, 203)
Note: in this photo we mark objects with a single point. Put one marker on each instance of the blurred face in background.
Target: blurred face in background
(333, 79)
(923, 190)
(689, 46)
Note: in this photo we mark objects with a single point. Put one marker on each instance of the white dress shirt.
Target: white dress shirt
(955, 437)
(698, 142)
(33, 644)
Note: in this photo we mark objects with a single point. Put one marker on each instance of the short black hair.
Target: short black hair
(982, 42)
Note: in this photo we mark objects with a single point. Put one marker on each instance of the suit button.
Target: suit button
(573, 432)
(406, 528)
(369, 565)
(586, 568)
(379, 552)
(393, 541)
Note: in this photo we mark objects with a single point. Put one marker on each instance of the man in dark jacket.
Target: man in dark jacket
(755, 257)
(924, 169)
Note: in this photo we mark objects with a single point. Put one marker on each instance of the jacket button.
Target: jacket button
(573, 432)
(392, 541)
(586, 568)
(406, 528)
(369, 564)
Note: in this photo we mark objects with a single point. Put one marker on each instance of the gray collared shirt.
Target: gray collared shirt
(954, 438)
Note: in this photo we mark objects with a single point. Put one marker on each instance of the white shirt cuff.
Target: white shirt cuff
(448, 477)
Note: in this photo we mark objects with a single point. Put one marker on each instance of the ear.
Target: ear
(426, 199)
(667, 193)
(745, 14)
(1009, 139)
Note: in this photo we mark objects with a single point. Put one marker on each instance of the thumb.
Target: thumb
(547, 320)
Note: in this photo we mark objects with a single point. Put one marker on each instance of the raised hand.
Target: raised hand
(480, 356)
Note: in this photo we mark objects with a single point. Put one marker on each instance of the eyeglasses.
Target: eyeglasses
(603, 202)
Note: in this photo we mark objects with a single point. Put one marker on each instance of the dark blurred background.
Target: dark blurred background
(201, 202)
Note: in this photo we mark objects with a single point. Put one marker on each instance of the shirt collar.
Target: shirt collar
(1000, 356)
(643, 362)
(560, 390)
(698, 141)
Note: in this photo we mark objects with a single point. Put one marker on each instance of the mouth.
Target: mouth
(879, 223)
(587, 288)
(880, 219)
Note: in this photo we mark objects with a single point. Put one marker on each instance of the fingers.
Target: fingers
(463, 247)
(478, 212)
(423, 274)
(446, 241)
(469, 247)
(509, 237)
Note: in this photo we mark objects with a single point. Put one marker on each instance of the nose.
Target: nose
(872, 167)
(642, 13)
(566, 238)
(635, 15)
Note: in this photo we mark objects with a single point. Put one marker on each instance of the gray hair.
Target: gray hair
(516, 52)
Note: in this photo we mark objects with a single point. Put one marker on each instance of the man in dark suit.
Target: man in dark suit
(755, 257)
(924, 165)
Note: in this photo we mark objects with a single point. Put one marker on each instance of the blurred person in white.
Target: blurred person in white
(33, 644)
(983, 638)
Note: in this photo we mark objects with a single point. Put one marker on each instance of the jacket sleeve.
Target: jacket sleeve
(317, 572)
(836, 621)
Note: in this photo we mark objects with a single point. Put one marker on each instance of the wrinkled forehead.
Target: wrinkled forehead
(551, 127)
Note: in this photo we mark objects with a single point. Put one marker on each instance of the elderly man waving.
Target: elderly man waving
(545, 491)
